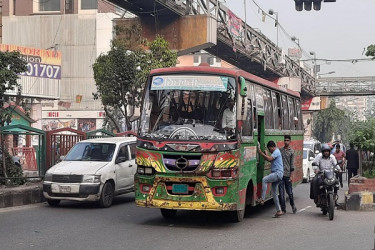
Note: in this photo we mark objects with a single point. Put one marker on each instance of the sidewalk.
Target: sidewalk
(30, 193)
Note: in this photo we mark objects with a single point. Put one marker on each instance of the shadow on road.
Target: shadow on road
(118, 200)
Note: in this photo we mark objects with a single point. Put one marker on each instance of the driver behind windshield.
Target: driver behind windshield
(229, 117)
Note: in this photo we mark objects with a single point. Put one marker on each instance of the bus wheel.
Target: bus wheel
(168, 213)
(237, 216)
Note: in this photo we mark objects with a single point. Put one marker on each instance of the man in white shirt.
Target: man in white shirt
(229, 117)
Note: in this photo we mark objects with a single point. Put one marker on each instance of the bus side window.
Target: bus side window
(291, 113)
(268, 117)
(247, 127)
(285, 113)
(298, 114)
(276, 110)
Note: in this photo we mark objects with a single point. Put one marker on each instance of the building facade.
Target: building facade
(80, 30)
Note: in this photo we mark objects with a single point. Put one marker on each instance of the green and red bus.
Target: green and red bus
(187, 160)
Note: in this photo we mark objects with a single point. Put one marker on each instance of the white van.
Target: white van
(314, 145)
(93, 170)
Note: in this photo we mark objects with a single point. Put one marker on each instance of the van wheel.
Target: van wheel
(106, 197)
(53, 203)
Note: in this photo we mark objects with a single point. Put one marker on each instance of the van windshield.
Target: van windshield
(87, 151)
(309, 146)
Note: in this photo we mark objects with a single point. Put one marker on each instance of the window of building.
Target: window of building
(50, 5)
(69, 6)
(89, 4)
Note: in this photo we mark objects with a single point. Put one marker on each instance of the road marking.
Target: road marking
(303, 209)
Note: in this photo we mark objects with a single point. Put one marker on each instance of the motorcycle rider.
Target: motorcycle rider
(323, 161)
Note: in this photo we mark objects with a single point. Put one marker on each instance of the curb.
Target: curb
(363, 201)
(21, 195)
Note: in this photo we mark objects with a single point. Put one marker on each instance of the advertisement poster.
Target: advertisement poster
(86, 124)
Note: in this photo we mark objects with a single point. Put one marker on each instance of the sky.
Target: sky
(340, 30)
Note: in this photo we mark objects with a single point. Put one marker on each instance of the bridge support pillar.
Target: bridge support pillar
(185, 34)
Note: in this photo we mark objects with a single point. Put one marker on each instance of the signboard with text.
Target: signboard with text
(40, 62)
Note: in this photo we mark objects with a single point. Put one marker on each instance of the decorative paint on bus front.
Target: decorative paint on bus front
(150, 159)
(227, 159)
(202, 198)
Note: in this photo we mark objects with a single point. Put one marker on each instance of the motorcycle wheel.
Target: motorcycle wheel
(324, 211)
(331, 206)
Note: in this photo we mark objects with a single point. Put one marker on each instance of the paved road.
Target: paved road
(124, 226)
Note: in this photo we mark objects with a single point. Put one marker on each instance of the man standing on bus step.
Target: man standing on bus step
(287, 154)
(277, 172)
(340, 156)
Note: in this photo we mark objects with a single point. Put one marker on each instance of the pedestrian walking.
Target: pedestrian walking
(340, 156)
(287, 154)
(277, 172)
(352, 162)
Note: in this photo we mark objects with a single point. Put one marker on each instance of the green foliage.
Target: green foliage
(371, 51)
(362, 134)
(331, 121)
(12, 170)
(11, 64)
(120, 74)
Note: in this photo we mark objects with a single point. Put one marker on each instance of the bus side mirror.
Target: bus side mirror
(243, 91)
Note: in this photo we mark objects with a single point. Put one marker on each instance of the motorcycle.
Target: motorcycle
(326, 199)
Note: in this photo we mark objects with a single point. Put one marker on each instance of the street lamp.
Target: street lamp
(271, 12)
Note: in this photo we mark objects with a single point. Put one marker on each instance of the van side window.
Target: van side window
(132, 151)
(123, 152)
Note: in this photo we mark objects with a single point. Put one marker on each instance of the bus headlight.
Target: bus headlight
(145, 170)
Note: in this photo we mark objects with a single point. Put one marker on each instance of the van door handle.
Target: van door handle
(130, 165)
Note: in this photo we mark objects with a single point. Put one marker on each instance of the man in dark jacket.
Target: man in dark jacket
(287, 154)
(352, 159)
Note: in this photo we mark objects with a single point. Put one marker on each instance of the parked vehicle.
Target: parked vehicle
(326, 199)
(314, 145)
(93, 170)
(308, 172)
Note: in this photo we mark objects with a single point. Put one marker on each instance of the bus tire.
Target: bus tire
(168, 213)
(237, 216)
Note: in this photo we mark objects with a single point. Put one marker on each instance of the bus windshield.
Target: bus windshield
(189, 107)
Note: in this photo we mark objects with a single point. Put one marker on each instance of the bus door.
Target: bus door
(260, 160)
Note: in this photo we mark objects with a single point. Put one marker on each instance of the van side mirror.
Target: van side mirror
(311, 158)
(316, 151)
(62, 157)
(243, 91)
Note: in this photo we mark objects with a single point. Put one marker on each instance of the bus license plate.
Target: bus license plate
(64, 189)
(180, 189)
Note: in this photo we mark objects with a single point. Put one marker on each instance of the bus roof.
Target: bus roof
(226, 71)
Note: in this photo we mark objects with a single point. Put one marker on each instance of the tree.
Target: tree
(329, 121)
(11, 64)
(371, 51)
(121, 73)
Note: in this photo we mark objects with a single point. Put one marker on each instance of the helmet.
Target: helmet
(325, 147)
